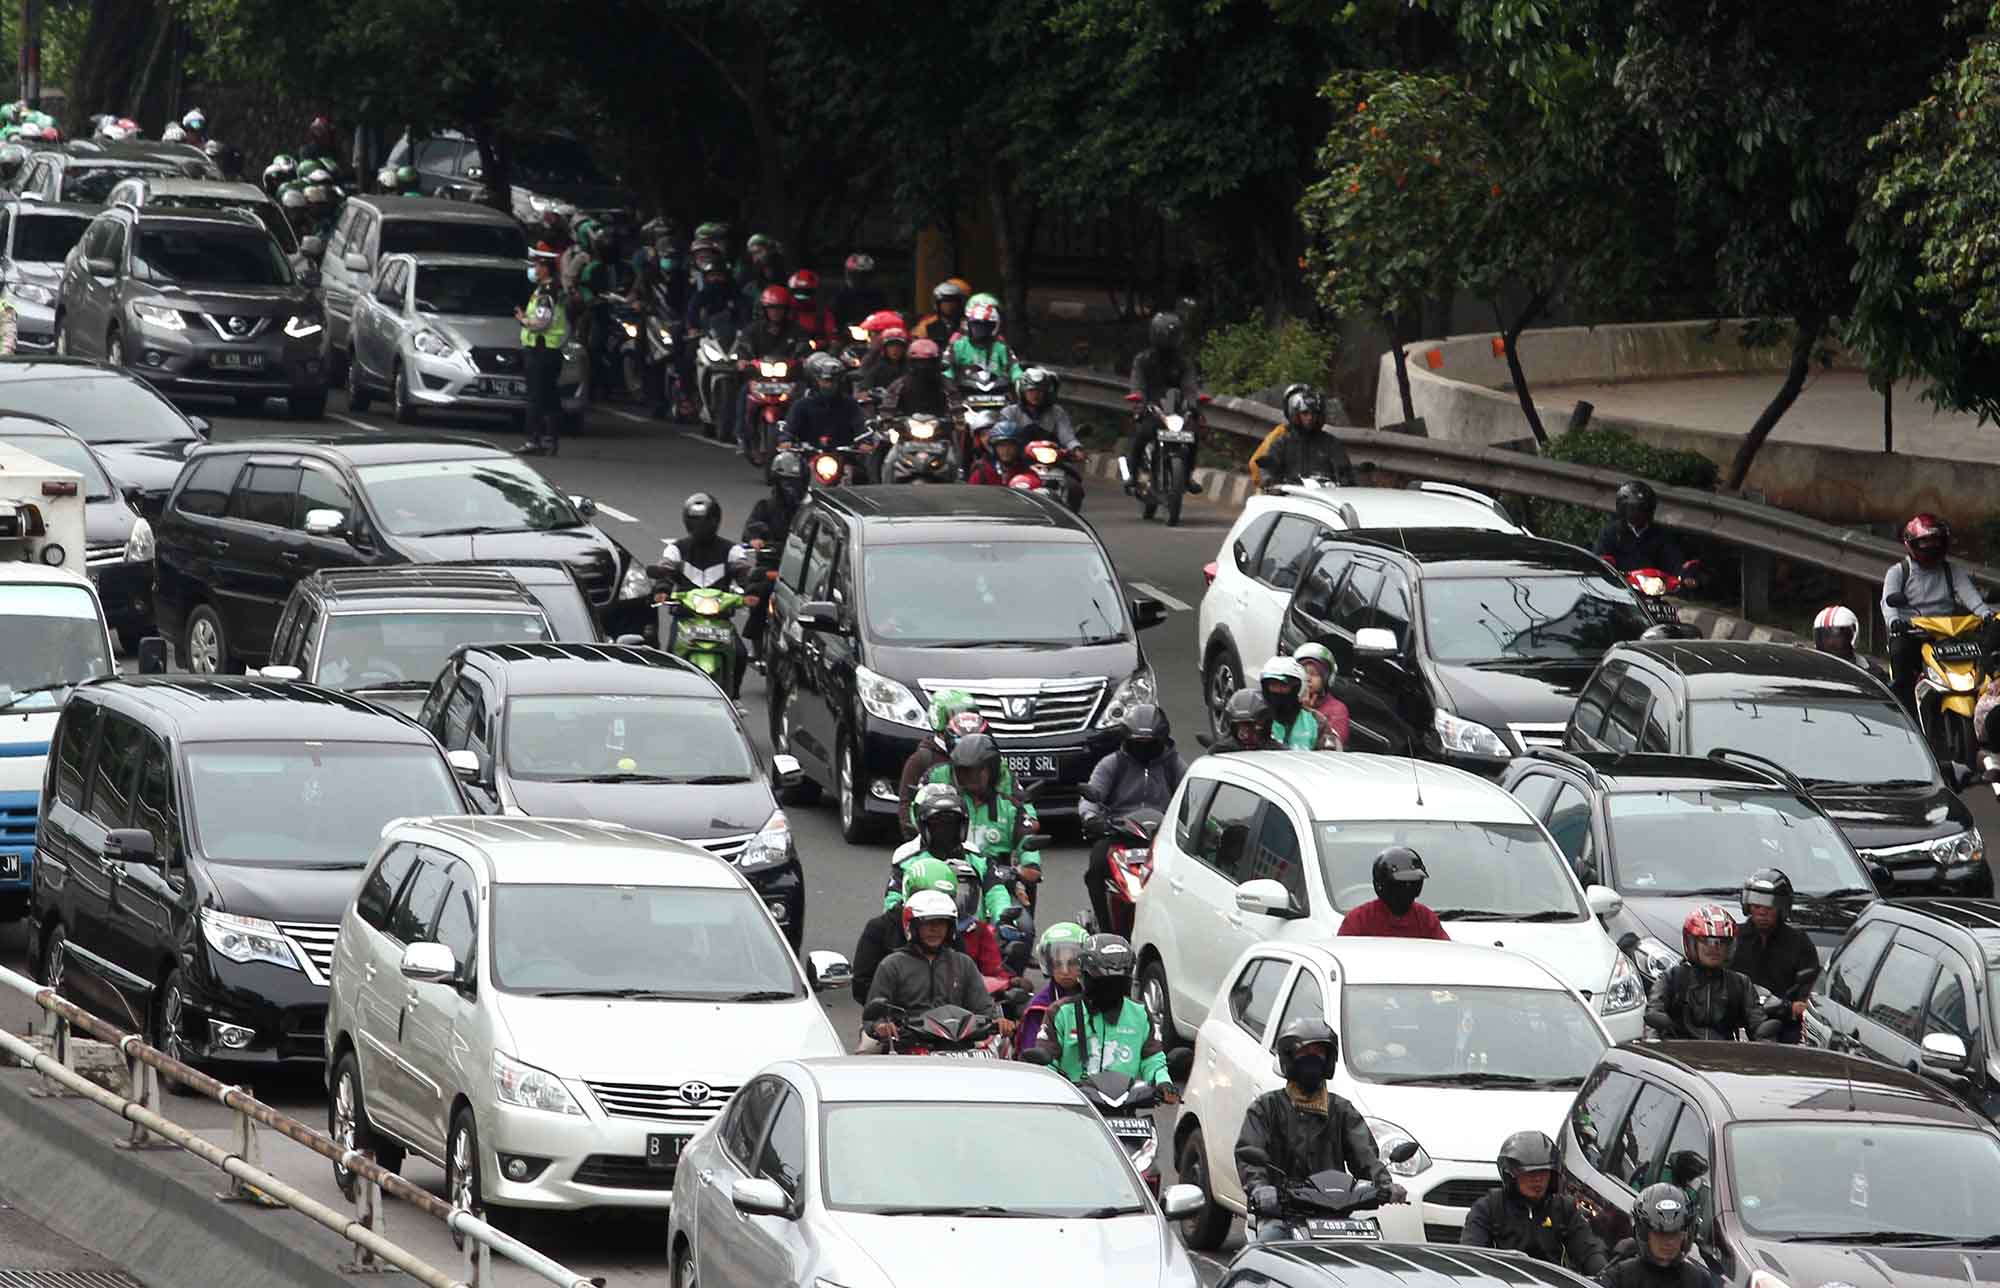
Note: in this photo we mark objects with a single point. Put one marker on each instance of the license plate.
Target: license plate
(768, 390)
(508, 387)
(1176, 436)
(10, 867)
(710, 634)
(1365, 1228)
(1955, 650)
(663, 1149)
(977, 1053)
(238, 361)
(1030, 764)
(1130, 1126)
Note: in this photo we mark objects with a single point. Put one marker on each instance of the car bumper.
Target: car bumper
(1626, 1026)
(188, 362)
(456, 385)
(284, 1012)
(783, 890)
(1909, 878)
(126, 589)
(34, 328)
(1439, 1201)
(885, 746)
(584, 1161)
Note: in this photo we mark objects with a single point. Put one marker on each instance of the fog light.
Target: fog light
(777, 907)
(230, 1037)
(883, 790)
(156, 359)
(521, 1167)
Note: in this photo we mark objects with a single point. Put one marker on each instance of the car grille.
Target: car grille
(236, 326)
(623, 1172)
(505, 362)
(659, 1103)
(1459, 1193)
(725, 847)
(17, 825)
(1052, 707)
(302, 1033)
(315, 941)
(595, 574)
(1538, 735)
(1435, 1233)
(108, 552)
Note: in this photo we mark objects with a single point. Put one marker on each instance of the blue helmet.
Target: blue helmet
(1006, 430)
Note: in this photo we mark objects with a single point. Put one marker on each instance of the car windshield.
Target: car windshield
(643, 736)
(91, 185)
(440, 498)
(1478, 871)
(301, 803)
(1825, 741)
(51, 639)
(47, 239)
(377, 650)
(268, 213)
(453, 237)
(1437, 1034)
(99, 408)
(469, 292)
(677, 943)
(1702, 841)
(66, 452)
(1528, 619)
(209, 258)
(982, 593)
(1841, 1180)
(977, 1155)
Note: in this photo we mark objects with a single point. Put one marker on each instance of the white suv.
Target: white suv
(1270, 547)
(1281, 845)
(550, 1009)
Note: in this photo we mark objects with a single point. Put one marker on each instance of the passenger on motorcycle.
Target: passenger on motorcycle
(1663, 1222)
(1246, 722)
(1834, 631)
(1395, 913)
(770, 522)
(1005, 442)
(920, 390)
(1320, 668)
(1702, 997)
(1299, 447)
(815, 320)
(1142, 774)
(1058, 950)
(1105, 1027)
(1293, 724)
(716, 295)
(859, 294)
(889, 929)
(1159, 367)
(703, 559)
(319, 140)
(947, 312)
(930, 970)
(1771, 952)
(1303, 1128)
(1930, 586)
(885, 364)
(194, 126)
(1529, 1213)
(827, 416)
(963, 723)
(931, 753)
(976, 932)
(1631, 540)
(773, 334)
(979, 345)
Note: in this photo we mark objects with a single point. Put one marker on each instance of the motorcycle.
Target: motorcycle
(1955, 672)
(624, 350)
(772, 389)
(1165, 464)
(715, 371)
(1653, 588)
(1048, 463)
(1121, 1101)
(831, 466)
(919, 452)
(1130, 856)
(947, 1031)
(982, 397)
(1322, 1209)
(700, 627)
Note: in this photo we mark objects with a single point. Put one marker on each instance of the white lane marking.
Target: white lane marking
(634, 417)
(615, 513)
(696, 436)
(1162, 596)
(358, 424)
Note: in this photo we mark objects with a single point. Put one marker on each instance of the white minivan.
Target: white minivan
(1281, 845)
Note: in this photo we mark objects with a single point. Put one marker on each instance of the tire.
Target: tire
(166, 1026)
(50, 962)
(463, 1186)
(357, 393)
(850, 790)
(1204, 1231)
(1176, 477)
(334, 361)
(347, 1123)
(310, 406)
(406, 411)
(1159, 1002)
(205, 646)
(757, 441)
(114, 348)
(808, 791)
(1220, 678)
(683, 1271)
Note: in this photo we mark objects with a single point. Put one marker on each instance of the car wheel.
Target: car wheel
(310, 406)
(205, 651)
(168, 1025)
(50, 963)
(347, 1123)
(462, 1185)
(334, 362)
(1224, 677)
(114, 349)
(406, 411)
(684, 1266)
(850, 787)
(808, 791)
(357, 393)
(1159, 1002)
(1206, 1229)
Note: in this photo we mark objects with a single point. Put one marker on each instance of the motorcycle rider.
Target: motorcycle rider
(1246, 721)
(1299, 447)
(194, 128)
(767, 266)
(947, 312)
(814, 318)
(1395, 912)
(1058, 950)
(930, 753)
(827, 416)
(1929, 585)
(980, 345)
(1774, 954)
(1293, 724)
(714, 304)
(920, 389)
(228, 160)
(1104, 1027)
(889, 929)
(589, 303)
(859, 295)
(996, 822)
(1037, 409)
(1663, 1222)
(1160, 367)
(661, 289)
(1303, 1128)
(1702, 997)
(1528, 1213)
(1320, 668)
(280, 172)
(887, 363)
(1005, 443)
(930, 970)
(1834, 630)
(319, 141)
(1142, 774)
(770, 522)
(1631, 540)
(702, 559)
(774, 334)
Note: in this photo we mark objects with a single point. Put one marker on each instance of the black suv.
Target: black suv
(1913, 987)
(1828, 722)
(142, 438)
(1804, 1167)
(1670, 833)
(626, 734)
(887, 595)
(1462, 646)
(197, 303)
(250, 519)
(199, 839)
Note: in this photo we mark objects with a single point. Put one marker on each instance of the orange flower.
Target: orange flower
(1361, 106)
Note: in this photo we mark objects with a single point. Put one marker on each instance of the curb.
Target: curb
(1226, 489)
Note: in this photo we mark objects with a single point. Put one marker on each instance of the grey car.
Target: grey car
(438, 333)
(196, 303)
(209, 194)
(35, 238)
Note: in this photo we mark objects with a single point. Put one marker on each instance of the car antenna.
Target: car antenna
(1416, 779)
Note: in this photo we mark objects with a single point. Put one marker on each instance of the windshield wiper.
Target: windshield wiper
(1096, 1213)
(1470, 914)
(620, 776)
(710, 780)
(1477, 1079)
(643, 994)
(32, 690)
(997, 644)
(1845, 892)
(763, 995)
(971, 1209)
(475, 530)
(391, 686)
(1874, 1236)
(1549, 914)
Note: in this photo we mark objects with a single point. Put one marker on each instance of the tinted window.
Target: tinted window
(1306, 1001)
(1256, 993)
(316, 804)
(378, 892)
(79, 731)
(1877, 743)
(1277, 855)
(101, 407)
(465, 716)
(1244, 552)
(114, 245)
(1314, 598)
(784, 1155)
(1193, 802)
(1686, 1160)
(458, 920)
(453, 237)
(1571, 616)
(465, 497)
(1534, 791)
(48, 239)
(1654, 737)
(747, 1115)
(156, 811)
(266, 495)
(1595, 704)
(959, 594)
(1392, 606)
(90, 185)
(1569, 824)
(1848, 978)
(1354, 608)
(1285, 553)
(411, 920)
(1597, 1109)
(1896, 1002)
(1225, 832)
(1628, 711)
(207, 489)
(1952, 997)
(469, 292)
(793, 561)
(319, 490)
(117, 761)
(1639, 1139)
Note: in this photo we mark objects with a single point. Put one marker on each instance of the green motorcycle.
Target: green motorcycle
(702, 625)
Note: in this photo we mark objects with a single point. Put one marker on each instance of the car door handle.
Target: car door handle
(1176, 884)
(1236, 920)
(218, 544)
(290, 556)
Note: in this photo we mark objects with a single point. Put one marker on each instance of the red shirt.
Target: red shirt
(1374, 918)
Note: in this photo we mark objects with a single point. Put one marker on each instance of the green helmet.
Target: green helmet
(406, 175)
(1317, 653)
(926, 873)
(981, 298)
(760, 241)
(1064, 940)
(9, 113)
(947, 703)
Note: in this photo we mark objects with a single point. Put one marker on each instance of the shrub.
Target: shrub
(1247, 357)
(1614, 451)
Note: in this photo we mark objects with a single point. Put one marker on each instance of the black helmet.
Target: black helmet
(939, 806)
(1165, 332)
(1526, 1151)
(1246, 706)
(701, 515)
(1768, 888)
(976, 751)
(1661, 1209)
(970, 892)
(1043, 379)
(1635, 500)
(1304, 399)
(1399, 877)
(788, 474)
(1107, 957)
(824, 369)
(1304, 1032)
(1146, 731)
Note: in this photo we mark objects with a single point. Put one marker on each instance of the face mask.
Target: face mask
(1143, 750)
(1103, 994)
(1284, 703)
(1309, 1074)
(533, 276)
(1401, 897)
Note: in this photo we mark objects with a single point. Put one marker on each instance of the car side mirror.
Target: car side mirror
(152, 655)
(755, 1196)
(584, 506)
(355, 261)
(129, 845)
(1603, 901)
(325, 523)
(281, 673)
(100, 267)
(429, 963)
(200, 425)
(1181, 1202)
(828, 970)
(1376, 641)
(1204, 740)
(1241, 553)
(786, 770)
(630, 641)
(1961, 776)
(1147, 612)
(465, 766)
(1265, 897)
(1944, 1051)
(819, 615)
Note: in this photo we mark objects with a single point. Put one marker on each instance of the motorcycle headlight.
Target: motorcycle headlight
(301, 325)
(139, 545)
(1958, 851)
(246, 939)
(773, 370)
(1465, 735)
(29, 293)
(770, 848)
(923, 429)
(159, 317)
(1650, 585)
(1656, 958)
(1388, 1137)
(1134, 692)
(631, 330)
(885, 699)
(524, 1085)
(1961, 681)
(635, 584)
(1625, 991)
(431, 344)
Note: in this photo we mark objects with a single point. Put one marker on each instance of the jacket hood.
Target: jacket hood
(150, 467)
(642, 1041)
(1137, 1251)
(1809, 1265)
(689, 812)
(1497, 694)
(280, 893)
(1873, 819)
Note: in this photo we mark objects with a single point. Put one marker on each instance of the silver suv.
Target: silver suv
(550, 1009)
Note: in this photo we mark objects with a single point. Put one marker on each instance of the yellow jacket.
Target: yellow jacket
(1263, 449)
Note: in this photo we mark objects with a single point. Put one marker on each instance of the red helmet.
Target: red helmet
(881, 320)
(1928, 539)
(1710, 921)
(925, 351)
(803, 284)
(895, 335)
(860, 262)
(775, 297)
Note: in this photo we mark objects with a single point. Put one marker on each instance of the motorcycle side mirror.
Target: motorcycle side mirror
(1180, 1063)
(880, 1008)
(1135, 396)
(1403, 1152)
(1033, 1056)
(1094, 826)
(1204, 740)
(1628, 943)
(1897, 599)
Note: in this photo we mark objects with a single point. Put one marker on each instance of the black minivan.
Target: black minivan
(887, 595)
(200, 837)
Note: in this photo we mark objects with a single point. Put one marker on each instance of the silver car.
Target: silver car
(878, 1171)
(438, 333)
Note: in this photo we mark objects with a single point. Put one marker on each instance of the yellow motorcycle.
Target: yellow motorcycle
(1954, 673)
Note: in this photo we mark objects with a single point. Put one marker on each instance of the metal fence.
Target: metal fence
(363, 1227)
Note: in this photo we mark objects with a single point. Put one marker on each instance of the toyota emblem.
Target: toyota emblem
(696, 1093)
(1022, 708)
(237, 326)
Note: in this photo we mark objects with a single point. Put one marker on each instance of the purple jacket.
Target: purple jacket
(1031, 1019)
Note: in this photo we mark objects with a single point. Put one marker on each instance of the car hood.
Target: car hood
(49, 274)
(281, 893)
(247, 301)
(1825, 922)
(571, 545)
(1463, 1124)
(1578, 952)
(977, 668)
(1808, 1265)
(990, 1252)
(1499, 694)
(617, 1040)
(150, 467)
(690, 813)
(476, 332)
(106, 522)
(1890, 817)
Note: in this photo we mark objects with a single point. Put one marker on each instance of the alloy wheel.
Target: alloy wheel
(204, 649)
(849, 807)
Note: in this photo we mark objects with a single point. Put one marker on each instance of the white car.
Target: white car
(1281, 845)
(894, 1171)
(1270, 546)
(1452, 1046)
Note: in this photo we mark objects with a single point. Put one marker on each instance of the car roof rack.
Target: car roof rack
(1464, 494)
(1763, 764)
(1568, 760)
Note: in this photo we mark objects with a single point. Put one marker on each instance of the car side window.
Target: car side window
(1654, 735)
(1286, 552)
(379, 891)
(458, 922)
(1276, 855)
(319, 490)
(465, 716)
(1392, 607)
(792, 563)
(389, 291)
(1315, 595)
(1255, 994)
(1569, 823)
(265, 495)
(1194, 802)
(156, 810)
(1354, 609)
(1627, 716)
(819, 570)
(748, 1114)
(1598, 1110)
(783, 1158)
(1953, 997)
(114, 244)
(343, 231)
(431, 716)
(284, 640)
(410, 920)
(97, 239)
(1595, 702)
(1685, 1161)
(1638, 1141)
(1306, 1001)
(1246, 548)
(74, 741)
(1896, 1002)
(1847, 980)
(206, 492)
(1224, 840)
(111, 783)
(1535, 791)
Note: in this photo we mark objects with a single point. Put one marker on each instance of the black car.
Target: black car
(1828, 722)
(199, 839)
(1337, 1264)
(87, 177)
(142, 438)
(1456, 645)
(887, 595)
(1671, 833)
(384, 632)
(1913, 986)
(118, 543)
(250, 519)
(1806, 1168)
(625, 734)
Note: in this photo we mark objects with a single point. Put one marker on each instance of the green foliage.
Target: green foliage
(64, 24)
(1609, 449)
(1246, 357)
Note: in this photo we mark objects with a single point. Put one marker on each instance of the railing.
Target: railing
(363, 1228)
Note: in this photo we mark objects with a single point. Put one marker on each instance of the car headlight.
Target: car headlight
(524, 1085)
(139, 545)
(300, 325)
(159, 317)
(885, 699)
(1656, 958)
(431, 344)
(1625, 991)
(29, 293)
(1957, 851)
(246, 939)
(1388, 1137)
(635, 584)
(1134, 692)
(1465, 735)
(770, 848)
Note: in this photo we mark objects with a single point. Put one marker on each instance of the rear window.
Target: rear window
(92, 185)
(47, 239)
(452, 237)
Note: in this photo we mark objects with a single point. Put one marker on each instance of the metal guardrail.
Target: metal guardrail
(146, 1065)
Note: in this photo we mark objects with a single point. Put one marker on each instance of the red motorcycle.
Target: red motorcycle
(1130, 856)
(1653, 588)
(773, 386)
(950, 1031)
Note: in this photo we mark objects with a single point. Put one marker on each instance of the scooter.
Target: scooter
(919, 451)
(715, 371)
(1653, 588)
(1955, 672)
(1130, 854)
(1168, 459)
(1322, 1209)
(772, 388)
(1121, 1101)
(982, 397)
(699, 627)
(1049, 464)
(625, 350)
(830, 466)
(948, 1031)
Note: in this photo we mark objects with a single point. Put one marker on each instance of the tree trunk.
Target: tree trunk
(1402, 367)
(1509, 338)
(118, 39)
(1014, 232)
(1803, 340)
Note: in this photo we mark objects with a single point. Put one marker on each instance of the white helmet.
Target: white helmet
(1284, 668)
(1836, 617)
(933, 905)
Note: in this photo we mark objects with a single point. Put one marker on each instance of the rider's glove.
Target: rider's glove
(1264, 1199)
(1397, 1194)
